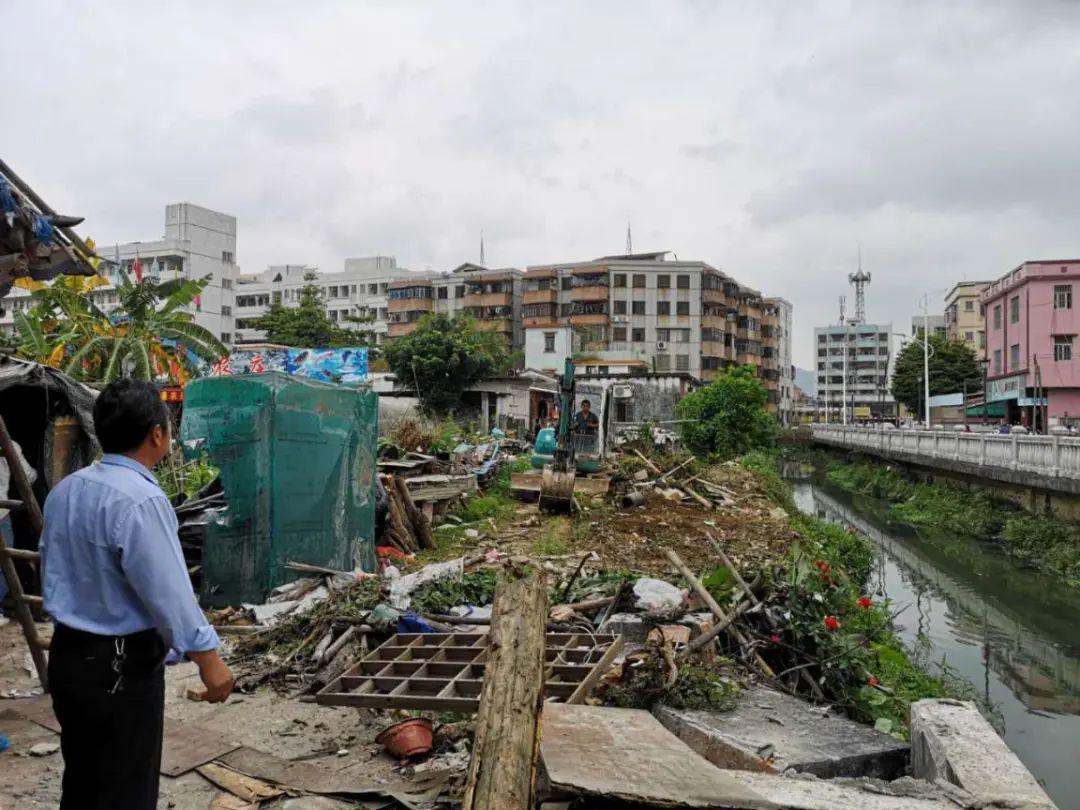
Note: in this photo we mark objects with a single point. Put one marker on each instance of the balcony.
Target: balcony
(487, 298)
(409, 305)
(400, 329)
(711, 296)
(589, 319)
(589, 293)
(540, 296)
(540, 315)
(715, 348)
(770, 318)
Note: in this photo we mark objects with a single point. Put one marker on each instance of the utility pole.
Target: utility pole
(843, 390)
(986, 393)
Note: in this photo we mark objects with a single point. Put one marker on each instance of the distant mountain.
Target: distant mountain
(806, 380)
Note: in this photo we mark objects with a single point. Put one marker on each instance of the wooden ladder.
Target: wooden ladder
(23, 600)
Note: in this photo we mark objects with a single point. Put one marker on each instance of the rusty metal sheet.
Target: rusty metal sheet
(626, 754)
(186, 746)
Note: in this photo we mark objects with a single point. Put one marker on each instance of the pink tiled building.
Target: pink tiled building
(1032, 329)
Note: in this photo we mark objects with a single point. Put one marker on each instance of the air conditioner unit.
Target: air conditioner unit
(620, 319)
(661, 345)
(622, 391)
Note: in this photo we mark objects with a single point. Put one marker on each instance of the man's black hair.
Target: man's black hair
(125, 413)
(586, 402)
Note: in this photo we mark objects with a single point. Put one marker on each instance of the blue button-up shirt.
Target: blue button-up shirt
(112, 557)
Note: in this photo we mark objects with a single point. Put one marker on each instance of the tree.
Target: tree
(149, 336)
(308, 326)
(443, 357)
(727, 417)
(951, 363)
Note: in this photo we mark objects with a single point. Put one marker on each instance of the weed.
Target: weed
(474, 588)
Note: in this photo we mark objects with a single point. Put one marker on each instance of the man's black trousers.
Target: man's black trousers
(108, 694)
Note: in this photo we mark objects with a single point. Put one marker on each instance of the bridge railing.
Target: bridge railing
(1046, 455)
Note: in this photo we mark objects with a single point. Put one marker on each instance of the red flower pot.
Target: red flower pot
(409, 738)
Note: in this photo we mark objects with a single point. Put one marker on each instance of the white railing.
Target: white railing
(1054, 456)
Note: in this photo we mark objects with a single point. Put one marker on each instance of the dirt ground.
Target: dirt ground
(288, 729)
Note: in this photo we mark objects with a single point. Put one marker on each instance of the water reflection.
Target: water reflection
(1015, 633)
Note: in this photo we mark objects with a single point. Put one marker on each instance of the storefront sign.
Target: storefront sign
(348, 366)
(1005, 388)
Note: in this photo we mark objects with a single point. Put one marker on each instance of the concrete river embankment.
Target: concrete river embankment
(1013, 632)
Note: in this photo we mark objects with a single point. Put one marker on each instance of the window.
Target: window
(549, 342)
(663, 307)
(822, 338)
(821, 352)
(639, 280)
(623, 412)
(969, 306)
(997, 316)
(353, 289)
(385, 285)
(1063, 346)
(663, 362)
(226, 284)
(1014, 309)
(638, 308)
(982, 340)
(372, 289)
(459, 291)
(663, 282)
(682, 307)
(226, 310)
(682, 362)
(620, 307)
(618, 334)
(567, 282)
(1063, 296)
(1014, 356)
(227, 257)
(444, 292)
(969, 337)
(619, 280)
(682, 281)
(637, 335)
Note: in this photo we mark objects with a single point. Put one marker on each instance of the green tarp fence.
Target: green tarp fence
(297, 461)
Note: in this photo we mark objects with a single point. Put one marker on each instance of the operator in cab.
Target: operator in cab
(117, 588)
(585, 421)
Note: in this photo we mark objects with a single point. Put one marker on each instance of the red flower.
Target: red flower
(831, 623)
(774, 638)
(822, 565)
(865, 601)
(872, 681)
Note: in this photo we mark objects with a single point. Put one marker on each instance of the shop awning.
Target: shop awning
(992, 409)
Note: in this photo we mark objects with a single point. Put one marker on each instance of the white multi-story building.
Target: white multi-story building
(865, 394)
(198, 242)
(360, 290)
(779, 328)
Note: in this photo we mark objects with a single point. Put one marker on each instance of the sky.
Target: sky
(772, 140)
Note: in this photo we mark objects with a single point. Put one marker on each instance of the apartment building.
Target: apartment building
(776, 342)
(1033, 319)
(869, 350)
(197, 242)
(493, 297)
(964, 316)
(359, 290)
(646, 311)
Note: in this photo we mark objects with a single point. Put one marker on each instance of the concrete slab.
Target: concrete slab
(772, 732)
(952, 742)
(807, 793)
(633, 627)
(625, 754)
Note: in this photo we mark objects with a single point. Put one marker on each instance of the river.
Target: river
(1013, 632)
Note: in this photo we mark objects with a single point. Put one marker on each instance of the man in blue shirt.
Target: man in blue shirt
(117, 588)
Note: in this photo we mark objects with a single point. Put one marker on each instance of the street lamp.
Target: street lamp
(928, 352)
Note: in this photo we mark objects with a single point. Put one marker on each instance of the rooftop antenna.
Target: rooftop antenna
(482, 248)
(860, 279)
(843, 302)
(629, 241)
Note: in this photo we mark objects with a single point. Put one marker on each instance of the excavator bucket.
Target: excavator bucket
(557, 490)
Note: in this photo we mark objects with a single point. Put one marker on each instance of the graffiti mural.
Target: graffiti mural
(348, 366)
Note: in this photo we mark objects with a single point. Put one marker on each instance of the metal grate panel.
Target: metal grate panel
(445, 671)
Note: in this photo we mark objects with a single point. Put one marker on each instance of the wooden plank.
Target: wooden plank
(186, 746)
(502, 771)
(239, 785)
(602, 666)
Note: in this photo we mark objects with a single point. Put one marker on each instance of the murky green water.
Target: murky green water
(1013, 632)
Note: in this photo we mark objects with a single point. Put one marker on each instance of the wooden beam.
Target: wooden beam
(502, 772)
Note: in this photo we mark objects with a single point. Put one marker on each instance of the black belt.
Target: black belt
(80, 640)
